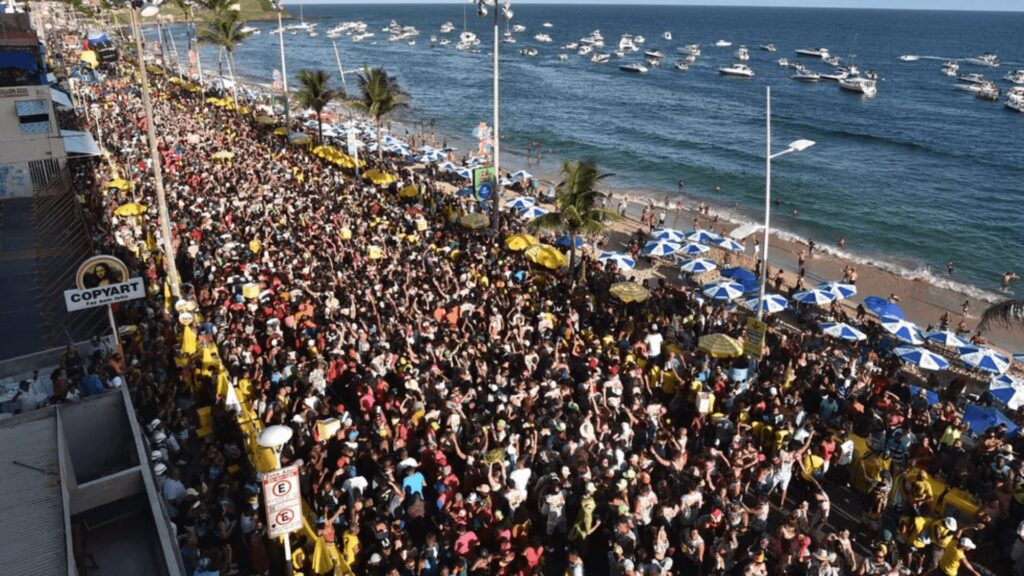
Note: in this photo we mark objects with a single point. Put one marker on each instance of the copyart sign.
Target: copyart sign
(84, 298)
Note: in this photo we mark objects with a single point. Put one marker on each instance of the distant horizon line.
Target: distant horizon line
(655, 4)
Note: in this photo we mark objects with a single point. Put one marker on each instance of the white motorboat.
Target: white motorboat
(362, 36)
(1015, 102)
(743, 54)
(1015, 76)
(950, 68)
(542, 37)
(737, 70)
(989, 92)
(571, 46)
(249, 30)
(666, 35)
(518, 28)
(634, 68)
(626, 44)
(986, 59)
(870, 75)
(653, 62)
(447, 28)
(832, 60)
(638, 40)
(805, 75)
(839, 75)
(723, 44)
(563, 57)
(600, 58)
(784, 62)
(690, 50)
(973, 88)
(860, 85)
(682, 66)
(655, 54)
(690, 59)
(585, 50)
(531, 52)
(813, 52)
(444, 42)
(973, 78)
(548, 25)
(620, 54)
(769, 47)
(595, 39)
(508, 38)
(910, 57)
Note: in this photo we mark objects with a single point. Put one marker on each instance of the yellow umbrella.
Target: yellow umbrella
(130, 209)
(212, 100)
(280, 131)
(90, 58)
(474, 221)
(518, 242)
(379, 178)
(547, 256)
(223, 155)
(176, 80)
(629, 292)
(243, 109)
(119, 183)
(155, 70)
(410, 191)
(720, 346)
(194, 88)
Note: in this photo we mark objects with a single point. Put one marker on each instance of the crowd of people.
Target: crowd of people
(458, 410)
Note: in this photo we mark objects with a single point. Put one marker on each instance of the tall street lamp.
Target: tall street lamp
(795, 146)
(506, 12)
(274, 438)
(279, 6)
(149, 10)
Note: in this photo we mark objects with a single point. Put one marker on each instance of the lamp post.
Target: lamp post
(170, 265)
(506, 12)
(274, 438)
(279, 6)
(795, 146)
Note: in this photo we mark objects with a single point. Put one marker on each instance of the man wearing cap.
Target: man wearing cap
(954, 557)
(943, 531)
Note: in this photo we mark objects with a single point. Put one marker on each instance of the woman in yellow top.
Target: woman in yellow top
(954, 557)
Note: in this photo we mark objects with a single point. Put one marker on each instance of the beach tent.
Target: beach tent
(881, 307)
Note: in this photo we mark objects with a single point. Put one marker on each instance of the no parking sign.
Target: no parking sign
(283, 500)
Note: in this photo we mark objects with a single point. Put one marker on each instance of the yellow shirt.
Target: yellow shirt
(949, 563)
(350, 546)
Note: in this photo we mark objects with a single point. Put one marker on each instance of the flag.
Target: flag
(322, 563)
(188, 341)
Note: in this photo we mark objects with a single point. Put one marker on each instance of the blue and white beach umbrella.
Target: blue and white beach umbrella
(697, 265)
(728, 244)
(693, 249)
(668, 234)
(923, 359)
(565, 241)
(903, 330)
(661, 248)
(532, 212)
(1008, 389)
(946, 338)
(448, 166)
(814, 296)
(505, 182)
(521, 175)
(843, 331)
(623, 261)
(702, 236)
(435, 156)
(842, 290)
(425, 149)
(520, 202)
(474, 161)
(772, 304)
(724, 290)
(1019, 358)
(465, 173)
(984, 359)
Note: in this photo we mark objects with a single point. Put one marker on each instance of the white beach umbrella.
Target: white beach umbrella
(924, 359)
(520, 202)
(703, 236)
(723, 290)
(772, 304)
(842, 290)
(521, 175)
(668, 234)
(623, 261)
(946, 338)
(697, 265)
(728, 244)
(900, 328)
(693, 249)
(532, 212)
(660, 248)
(843, 331)
(815, 297)
(984, 359)
(1008, 389)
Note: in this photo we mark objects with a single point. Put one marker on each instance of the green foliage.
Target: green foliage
(379, 96)
(315, 93)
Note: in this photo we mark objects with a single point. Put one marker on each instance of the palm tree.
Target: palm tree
(576, 198)
(315, 94)
(225, 32)
(1008, 313)
(380, 95)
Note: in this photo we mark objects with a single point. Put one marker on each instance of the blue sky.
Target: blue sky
(1004, 5)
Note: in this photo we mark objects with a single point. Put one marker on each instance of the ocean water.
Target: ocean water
(917, 176)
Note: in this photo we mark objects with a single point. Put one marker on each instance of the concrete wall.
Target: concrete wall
(17, 149)
(99, 436)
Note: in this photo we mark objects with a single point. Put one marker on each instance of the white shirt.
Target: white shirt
(521, 478)
(653, 342)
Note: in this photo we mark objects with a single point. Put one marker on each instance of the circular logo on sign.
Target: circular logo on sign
(284, 517)
(101, 270)
(483, 192)
(186, 318)
(282, 488)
